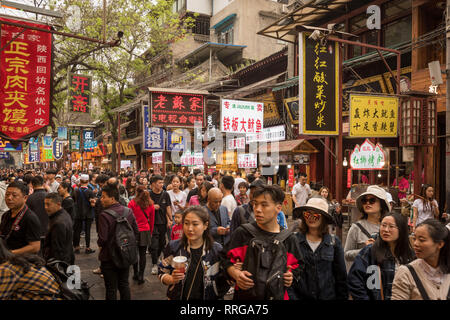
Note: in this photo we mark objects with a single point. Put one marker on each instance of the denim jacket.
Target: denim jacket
(324, 276)
(359, 274)
(215, 284)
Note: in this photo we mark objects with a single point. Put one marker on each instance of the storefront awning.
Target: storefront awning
(295, 146)
(224, 21)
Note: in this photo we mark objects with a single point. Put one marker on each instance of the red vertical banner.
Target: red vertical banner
(291, 177)
(80, 97)
(25, 75)
(349, 178)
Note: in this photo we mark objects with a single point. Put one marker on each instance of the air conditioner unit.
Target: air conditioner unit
(284, 8)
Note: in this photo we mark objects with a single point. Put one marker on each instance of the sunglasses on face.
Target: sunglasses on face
(311, 215)
(369, 200)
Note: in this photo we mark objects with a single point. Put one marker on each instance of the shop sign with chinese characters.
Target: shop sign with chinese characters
(373, 116)
(241, 116)
(180, 110)
(367, 157)
(25, 75)
(88, 140)
(318, 86)
(277, 133)
(74, 140)
(236, 143)
(247, 160)
(7, 146)
(190, 158)
(157, 157)
(175, 141)
(79, 94)
(47, 148)
(57, 149)
(33, 150)
(153, 137)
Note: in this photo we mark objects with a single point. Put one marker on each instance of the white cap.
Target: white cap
(84, 177)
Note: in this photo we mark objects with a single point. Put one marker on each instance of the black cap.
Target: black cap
(257, 183)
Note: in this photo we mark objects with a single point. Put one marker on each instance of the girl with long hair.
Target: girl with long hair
(427, 277)
(391, 249)
(201, 279)
(202, 198)
(144, 212)
(426, 207)
(131, 187)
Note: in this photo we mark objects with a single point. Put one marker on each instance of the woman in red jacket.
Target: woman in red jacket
(144, 212)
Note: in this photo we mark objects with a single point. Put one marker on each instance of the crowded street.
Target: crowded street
(225, 155)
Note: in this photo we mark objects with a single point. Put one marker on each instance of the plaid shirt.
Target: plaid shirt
(36, 284)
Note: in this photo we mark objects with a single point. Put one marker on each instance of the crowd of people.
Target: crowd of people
(213, 235)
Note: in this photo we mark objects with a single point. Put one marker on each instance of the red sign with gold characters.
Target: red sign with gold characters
(176, 109)
(25, 75)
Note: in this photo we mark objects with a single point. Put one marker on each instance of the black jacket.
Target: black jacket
(58, 242)
(236, 220)
(36, 204)
(325, 275)
(83, 207)
(69, 205)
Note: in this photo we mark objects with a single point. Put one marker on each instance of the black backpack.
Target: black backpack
(58, 269)
(266, 258)
(124, 249)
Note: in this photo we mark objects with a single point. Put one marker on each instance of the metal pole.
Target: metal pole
(339, 143)
(447, 113)
(118, 143)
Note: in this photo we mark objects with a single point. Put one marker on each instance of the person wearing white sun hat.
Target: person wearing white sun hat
(373, 205)
(325, 276)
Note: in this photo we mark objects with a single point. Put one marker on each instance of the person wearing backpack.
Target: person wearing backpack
(85, 202)
(117, 234)
(373, 205)
(427, 277)
(244, 214)
(325, 277)
(262, 258)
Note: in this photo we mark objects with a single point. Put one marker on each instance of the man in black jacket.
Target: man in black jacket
(85, 201)
(35, 202)
(58, 242)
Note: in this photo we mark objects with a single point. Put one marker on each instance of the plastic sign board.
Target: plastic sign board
(367, 157)
(241, 116)
(247, 160)
(157, 157)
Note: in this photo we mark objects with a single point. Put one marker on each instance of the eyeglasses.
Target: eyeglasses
(311, 215)
(388, 226)
(369, 200)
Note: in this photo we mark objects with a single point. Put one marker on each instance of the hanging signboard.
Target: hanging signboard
(182, 110)
(247, 160)
(74, 140)
(270, 107)
(349, 178)
(6, 146)
(241, 116)
(79, 93)
(291, 177)
(175, 141)
(318, 86)
(47, 145)
(191, 158)
(373, 116)
(25, 69)
(57, 149)
(33, 150)
(367, 157)
(291, 105)
(128, 148)
(157, 157)
(277, 133)
(237, 143)
(153, 137)
(62, 133)
(88, 140)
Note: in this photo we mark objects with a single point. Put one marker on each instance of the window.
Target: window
(179, 5)
(202, 25)
(225, 35)
(397, 32)
(395, 8)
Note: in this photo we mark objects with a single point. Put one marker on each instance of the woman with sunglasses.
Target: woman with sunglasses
(373, 205)
(372, 274)
(324, 276)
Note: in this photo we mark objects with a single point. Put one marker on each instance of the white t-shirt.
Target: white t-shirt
(180, 197)
(230, 203)
(301, 193)
(237, 181)
(422, 214)
(314, 245)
